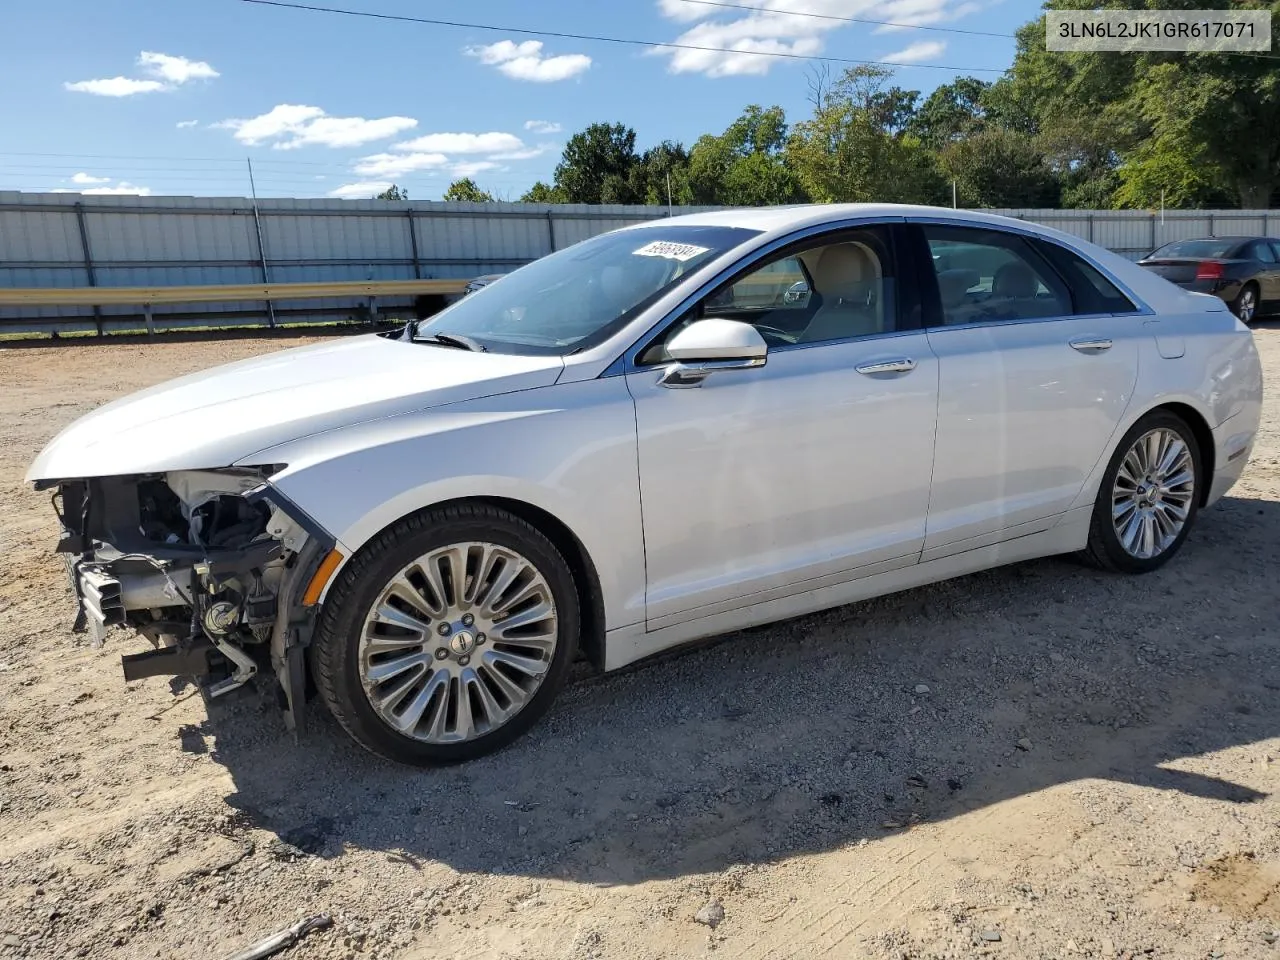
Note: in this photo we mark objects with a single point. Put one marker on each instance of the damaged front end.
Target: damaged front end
(211, 566)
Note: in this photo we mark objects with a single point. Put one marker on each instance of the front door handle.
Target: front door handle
(1091, 344)
(904, 365)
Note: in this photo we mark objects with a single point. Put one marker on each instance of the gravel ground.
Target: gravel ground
(1036, 762)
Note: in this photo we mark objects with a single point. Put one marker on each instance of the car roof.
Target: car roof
(1198, 239)
(770, 219)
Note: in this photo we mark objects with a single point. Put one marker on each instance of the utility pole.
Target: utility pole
(668, 193)
(262, 250)
(953, 195)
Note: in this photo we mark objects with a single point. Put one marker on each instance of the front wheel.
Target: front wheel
(1149, 496)
(448, 636)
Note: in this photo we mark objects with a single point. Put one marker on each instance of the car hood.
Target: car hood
(227, 414)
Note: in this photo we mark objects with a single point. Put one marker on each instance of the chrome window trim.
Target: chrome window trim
(1144, 308)
(1017, 322)
(627, 359)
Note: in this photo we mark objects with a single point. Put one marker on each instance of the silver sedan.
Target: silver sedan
(659, 434)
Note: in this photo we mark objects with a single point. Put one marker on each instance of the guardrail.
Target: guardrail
(146, 297)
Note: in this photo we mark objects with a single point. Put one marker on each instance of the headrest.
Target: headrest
(842, 272)
(1014, 280)
(954, 284)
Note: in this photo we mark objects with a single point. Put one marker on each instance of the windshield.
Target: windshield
(1196, 248)
(583, 294)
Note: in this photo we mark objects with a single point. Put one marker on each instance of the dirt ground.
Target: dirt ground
(1037, 762)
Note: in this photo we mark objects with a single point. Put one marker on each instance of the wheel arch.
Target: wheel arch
(585, 576)
(1200, 428)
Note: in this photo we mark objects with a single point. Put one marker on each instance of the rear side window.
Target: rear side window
(1092, 292)
(1261, 250)
(987, 276)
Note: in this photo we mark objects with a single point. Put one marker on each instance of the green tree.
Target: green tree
(542, 193)
(467, 190)
(392, 193)
(660, 172)
(744, 166)
(999, 168)
(597, 165)
(855, 147)
(953, 111)
(1199, 122)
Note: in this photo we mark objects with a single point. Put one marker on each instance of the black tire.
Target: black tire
(335, 651)
(1238, 303)
(1104, 549)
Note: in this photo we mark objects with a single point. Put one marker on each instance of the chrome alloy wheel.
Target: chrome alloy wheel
(1247, 305)
(458, 642)
(1151, 498)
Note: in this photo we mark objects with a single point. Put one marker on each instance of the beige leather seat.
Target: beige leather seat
(848, 278)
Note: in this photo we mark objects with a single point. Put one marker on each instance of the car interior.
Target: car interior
(984, 282)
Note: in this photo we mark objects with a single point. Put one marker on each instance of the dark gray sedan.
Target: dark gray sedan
(1243, 271)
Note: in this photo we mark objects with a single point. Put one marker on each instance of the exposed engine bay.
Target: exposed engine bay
(209, 565)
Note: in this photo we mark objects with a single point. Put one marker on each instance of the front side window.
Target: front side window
(837, 288)
(580, 296)
(987, 276)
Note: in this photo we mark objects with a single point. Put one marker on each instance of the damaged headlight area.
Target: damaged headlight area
(210, 565)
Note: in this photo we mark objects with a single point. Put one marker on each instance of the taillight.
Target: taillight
(1209, 270)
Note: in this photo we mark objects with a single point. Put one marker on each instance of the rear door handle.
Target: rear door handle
(1091, 344)
(903, 365)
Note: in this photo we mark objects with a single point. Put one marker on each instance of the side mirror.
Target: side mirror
(707, 346)
(798, 292)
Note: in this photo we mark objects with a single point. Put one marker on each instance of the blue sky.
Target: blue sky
(170, 96)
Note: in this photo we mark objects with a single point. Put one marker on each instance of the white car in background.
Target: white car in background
(659, 434)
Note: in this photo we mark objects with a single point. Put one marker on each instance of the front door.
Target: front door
(810, 470)
(1030, 390)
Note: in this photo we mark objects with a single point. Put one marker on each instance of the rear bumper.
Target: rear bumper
(1227, 290)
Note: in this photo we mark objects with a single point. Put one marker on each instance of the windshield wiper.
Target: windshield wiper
(453, 340)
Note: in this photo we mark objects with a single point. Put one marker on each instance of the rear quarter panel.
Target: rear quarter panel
(1219, 375)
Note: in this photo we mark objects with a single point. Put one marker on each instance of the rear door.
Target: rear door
(1268, 276)
(1031, 387)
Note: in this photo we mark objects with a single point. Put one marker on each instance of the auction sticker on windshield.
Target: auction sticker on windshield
(670, 250)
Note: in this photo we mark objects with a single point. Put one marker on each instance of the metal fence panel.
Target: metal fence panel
(134, 241)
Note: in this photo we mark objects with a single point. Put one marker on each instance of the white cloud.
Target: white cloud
(524, 61)
(288, 126)
(115, 86)
(773, 28)
(120, 189)
(123, 188)
(85, 179)
(526, 154)
(397, 164)
(364, 190)
(167, 72)
(187, 124)
(470, 169)
(176, 70)
(462, 143)
(916, 52)
(542, 126)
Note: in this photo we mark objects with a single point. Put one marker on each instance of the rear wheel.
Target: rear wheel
(448, 636)
(1245, 305)
(1149, 496)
